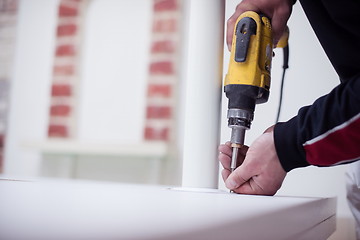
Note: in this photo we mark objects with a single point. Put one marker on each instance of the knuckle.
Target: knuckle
(283, 12)
(238, 7)
(230, 22)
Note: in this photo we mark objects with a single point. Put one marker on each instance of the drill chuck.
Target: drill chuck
(240, 117)
(239, 120)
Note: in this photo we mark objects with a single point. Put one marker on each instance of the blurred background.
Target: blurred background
(93, 89)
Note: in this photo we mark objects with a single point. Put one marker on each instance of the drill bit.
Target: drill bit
(234, 157)
(233, 161)
(235, 153)
(237, 141)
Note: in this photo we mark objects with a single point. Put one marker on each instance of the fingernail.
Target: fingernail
(231, 184)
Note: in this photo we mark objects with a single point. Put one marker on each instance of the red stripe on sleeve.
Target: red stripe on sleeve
(339, 145)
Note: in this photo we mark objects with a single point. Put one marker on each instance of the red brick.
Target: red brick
(1, 161)
(67, 11)
(2, 141)
(64, 70)
(158, 112)
(165, 5)
(58, 131)
(65, 50)
(61, 90)
(163, 90)
(60, 110)
(156, 134)
(163, 47)
(8, 6)
(66, 30)
(165, 67)
(165, 25)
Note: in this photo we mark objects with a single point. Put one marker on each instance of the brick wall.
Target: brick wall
(8, 14)
(162, 77)
(163, 71)
(66, 78)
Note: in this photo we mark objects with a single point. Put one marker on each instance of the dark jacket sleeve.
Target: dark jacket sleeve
(328, 132)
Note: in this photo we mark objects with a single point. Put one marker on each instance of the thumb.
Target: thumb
(237, 178)
(244, 182)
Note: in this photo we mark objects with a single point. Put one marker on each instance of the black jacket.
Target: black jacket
(328, 132)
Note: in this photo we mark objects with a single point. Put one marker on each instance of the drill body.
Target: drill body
(247, 82)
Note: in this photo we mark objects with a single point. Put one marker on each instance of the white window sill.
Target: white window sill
(73, 147)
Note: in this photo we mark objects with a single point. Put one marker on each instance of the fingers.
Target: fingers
(278, 22)
(240, 8)
(225, 149)
(225, 174)
(243, 182)
(237, 178)
(230, 30)
(270, 129)
(244, 179)
(250, 187)
(225, 154)
(225, 160)
(278, 11)
(261, 173)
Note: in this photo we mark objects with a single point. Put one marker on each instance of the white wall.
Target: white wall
(310, 75)
(114, 75)
(115, 69)
(30, 85)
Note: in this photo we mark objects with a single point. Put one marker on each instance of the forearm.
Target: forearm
(328, 132)
(325, 133)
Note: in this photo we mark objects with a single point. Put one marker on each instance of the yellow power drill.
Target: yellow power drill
(247, 82)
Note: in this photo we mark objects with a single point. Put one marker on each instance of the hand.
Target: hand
(277, 10)
(260, 173)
